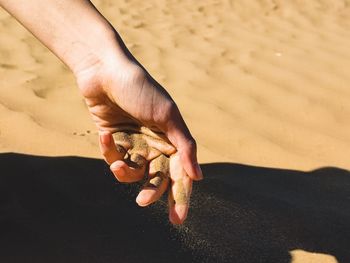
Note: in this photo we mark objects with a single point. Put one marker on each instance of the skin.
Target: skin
(120, 95)
(139, 152)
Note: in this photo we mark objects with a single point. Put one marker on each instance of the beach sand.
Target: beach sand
(260, 84)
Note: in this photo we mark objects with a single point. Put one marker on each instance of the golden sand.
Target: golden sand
(182, 195)
(156, 181)
(258, 82)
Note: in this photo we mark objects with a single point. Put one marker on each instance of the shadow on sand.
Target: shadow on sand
(70, 209)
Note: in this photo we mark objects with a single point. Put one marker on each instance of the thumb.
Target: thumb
(179, 135)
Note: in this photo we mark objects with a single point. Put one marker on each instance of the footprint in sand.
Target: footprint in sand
(144, 153)
(87, 132)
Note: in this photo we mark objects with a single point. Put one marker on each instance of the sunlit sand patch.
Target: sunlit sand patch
(302, 256)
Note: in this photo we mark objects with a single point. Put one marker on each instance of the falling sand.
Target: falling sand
(260, 83)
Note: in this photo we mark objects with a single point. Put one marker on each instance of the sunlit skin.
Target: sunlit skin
(108, 100)
(121, 97)
(137, 154)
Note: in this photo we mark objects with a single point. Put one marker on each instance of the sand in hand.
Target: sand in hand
(263, 83)
(144, 153)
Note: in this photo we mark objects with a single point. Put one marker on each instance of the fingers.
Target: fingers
(180, 191)
(153, 189)
(160, 145)
(126, 174)
(161, 172)
(109, 150)
(157, 183)
(130, 169)
(180, 136)
(187, 149)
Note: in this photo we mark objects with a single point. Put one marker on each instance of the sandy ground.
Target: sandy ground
(261, 83)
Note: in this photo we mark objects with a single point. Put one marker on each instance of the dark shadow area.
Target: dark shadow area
(71, 209)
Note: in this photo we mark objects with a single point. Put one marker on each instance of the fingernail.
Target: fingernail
(199, 172)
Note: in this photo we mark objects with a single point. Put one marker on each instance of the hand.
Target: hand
(135, 150)
(117, 90)
(123, 98)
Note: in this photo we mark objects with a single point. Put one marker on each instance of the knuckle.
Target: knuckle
(191, 145)
(166, 113)
(106, 156)
(171, 108)
(104, 152)
(189, 149)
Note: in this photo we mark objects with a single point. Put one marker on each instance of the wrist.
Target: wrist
(96, 67)
(95, 49)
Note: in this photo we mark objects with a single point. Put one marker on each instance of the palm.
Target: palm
(130, 108)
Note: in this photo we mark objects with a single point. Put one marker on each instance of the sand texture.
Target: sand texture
(261, 83)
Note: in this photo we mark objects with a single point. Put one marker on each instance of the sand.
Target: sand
(260, 83)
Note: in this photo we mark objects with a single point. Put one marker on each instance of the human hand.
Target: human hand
(139, 152)
(117, 90)
(148, 128)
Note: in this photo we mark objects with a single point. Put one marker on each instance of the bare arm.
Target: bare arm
(74, 30)
(118, 91)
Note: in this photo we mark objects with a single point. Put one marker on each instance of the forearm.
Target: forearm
(74, 30)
